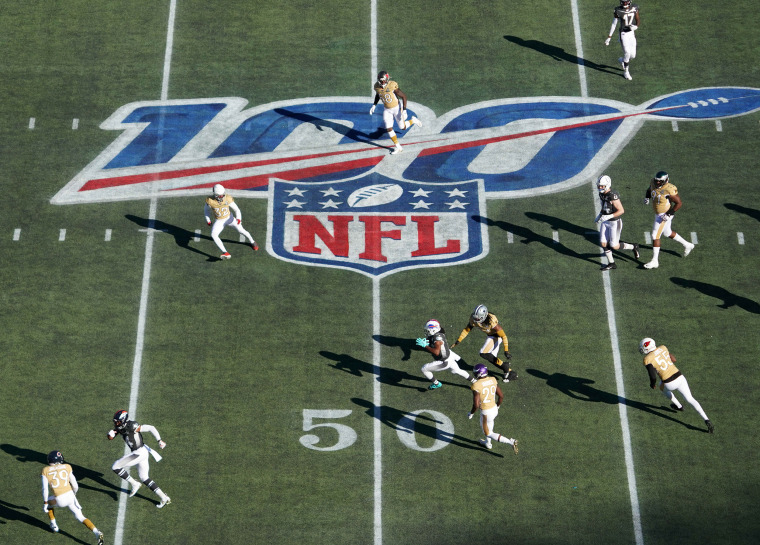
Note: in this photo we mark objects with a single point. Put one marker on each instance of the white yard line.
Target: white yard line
(376, 401)
(145, 290)
(612, 325)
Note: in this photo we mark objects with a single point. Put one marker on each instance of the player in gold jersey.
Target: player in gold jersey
(495, 337)
(665, 202)
(660, 365)
(387, 91)
(222, 207)
(59, 477)
(487, 396)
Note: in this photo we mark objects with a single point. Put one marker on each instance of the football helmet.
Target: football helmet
(660, 179)
(383, 78)
(55, 457)
(480, 314)
(120, 419)
(603, 183)
(625, 4)
(647, 345)
(219, 192)
(480, 370)
(432, 327)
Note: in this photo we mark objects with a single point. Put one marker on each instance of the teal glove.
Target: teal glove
(422, 342)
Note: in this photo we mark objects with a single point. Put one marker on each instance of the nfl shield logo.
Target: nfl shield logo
(376, 225)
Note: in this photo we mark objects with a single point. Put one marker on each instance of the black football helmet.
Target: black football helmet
(55, 457)
(625, 4)
(120, 419)
(383, 78)
(660, 179)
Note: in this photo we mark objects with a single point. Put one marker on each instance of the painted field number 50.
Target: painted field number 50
(346, 435)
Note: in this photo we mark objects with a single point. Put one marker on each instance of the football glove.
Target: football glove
(372, 110)
(422, 342)
(507, 355)
(634, 27)
(598, 218)
(238, 221)
(607, 41)
(607, 217)
(470, 415)
(45, 507)
(111, 434)
(161, 444)
(646, 200)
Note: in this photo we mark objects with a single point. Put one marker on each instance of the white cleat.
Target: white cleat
(164, 502)
(627, 75)
(620, 61)
(135, 488)
(54, 526)
(486, 443)
(225, 255)
(416, 121)
(688, 249)
(651, 265)
(396, 150)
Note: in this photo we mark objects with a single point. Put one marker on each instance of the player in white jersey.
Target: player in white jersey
(628, 15)
(222, 207)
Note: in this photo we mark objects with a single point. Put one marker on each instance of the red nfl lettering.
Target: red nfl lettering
(426, 238)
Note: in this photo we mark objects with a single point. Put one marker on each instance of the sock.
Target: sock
(608, 255)
(90, 525)
(51, 515)
(626, 246)
(679, 238)
(393, 137)
(655, 253)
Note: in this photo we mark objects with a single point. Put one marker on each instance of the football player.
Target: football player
(665, 202)
(612, 222)
(660, 365)
(487, 396)
(495, 337)
(140, 453)
(387, 91)
(59, 477)
(435, 342)
(628, 15)
(219, 204)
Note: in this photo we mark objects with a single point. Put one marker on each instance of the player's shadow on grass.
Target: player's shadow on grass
(729, 299)
(81, 473)
(182, 237)
(580, 388)
(322, 124)
(528, 236)
(422, 424)
(751, 212)
(559, 54)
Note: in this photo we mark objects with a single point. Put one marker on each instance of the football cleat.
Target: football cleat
(164, 502)
(627, 75)
(416, 121)
(254, 246)
(651, 265)
(135, 488)
(636, 252)
(675, 408)
(688, 249)
(397, 149)
(710, 427)
(225, 255)
(435, 386)
(54, 526)
(486, 443)
(514, 447)
(609, 266)
(647, 345)
(510, 376)
(101, 538)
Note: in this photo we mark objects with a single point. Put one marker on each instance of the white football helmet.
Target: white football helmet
(603, 183)
(432, 327)
(480, 313)
(219, 192)
(647, 345)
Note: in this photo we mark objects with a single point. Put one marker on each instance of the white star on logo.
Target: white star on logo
(420, 204)
(456, 204)
(294, 203)
(330, 192)
(295, 191)
(456, 193)
(330, 204)
(422, 193)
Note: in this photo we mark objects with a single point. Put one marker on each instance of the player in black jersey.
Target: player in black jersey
(612, 224)
(140, 453)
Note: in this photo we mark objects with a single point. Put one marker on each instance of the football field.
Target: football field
(286, 382)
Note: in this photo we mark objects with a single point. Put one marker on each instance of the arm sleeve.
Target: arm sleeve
(150, 429)
(236, 210)
(73, 482)
(612, 27)
(464, 333)
(652, 375)
(207, 212)
(503, 336)
(44, 488)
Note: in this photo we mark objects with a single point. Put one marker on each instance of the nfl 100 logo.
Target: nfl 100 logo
(376, 225)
